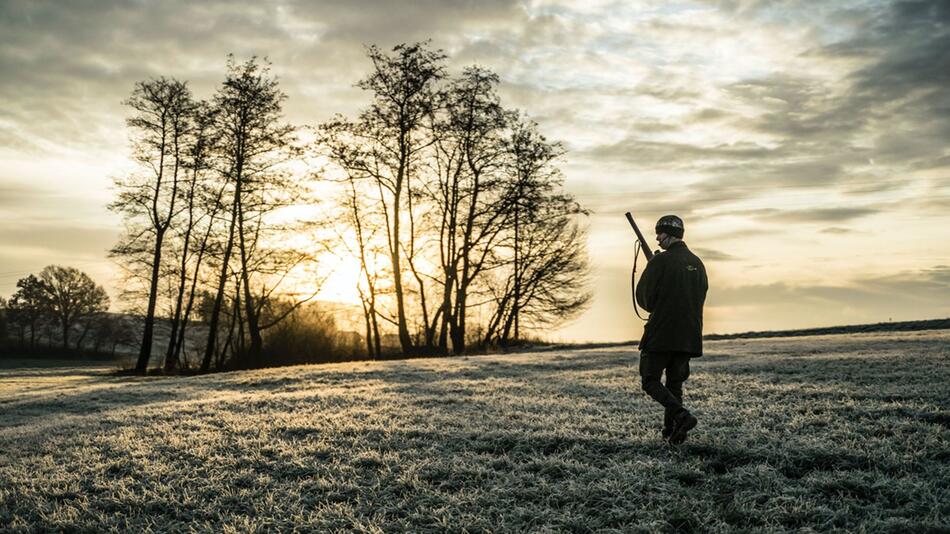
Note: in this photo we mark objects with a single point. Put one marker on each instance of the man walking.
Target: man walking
(673, 289)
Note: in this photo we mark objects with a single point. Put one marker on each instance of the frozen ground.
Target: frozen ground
(846, 432)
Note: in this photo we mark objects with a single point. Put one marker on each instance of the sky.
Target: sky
(806, 144)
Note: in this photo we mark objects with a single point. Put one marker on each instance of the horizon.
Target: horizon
(813, 174)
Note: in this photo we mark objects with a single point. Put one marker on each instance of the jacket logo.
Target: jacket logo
(691, 268)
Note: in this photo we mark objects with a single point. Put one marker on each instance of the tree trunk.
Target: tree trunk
(171, 362)
(180, 343)
(404, 340)
(171, 357)
(186, 317)
(369, 330)
(496, 319)
(145, 351)
(236, 310)
(222, 281)
(253, 328)
(376, 340)
(82, 336)
(515, 306)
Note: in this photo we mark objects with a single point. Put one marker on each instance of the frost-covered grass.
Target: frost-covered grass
(818, 433)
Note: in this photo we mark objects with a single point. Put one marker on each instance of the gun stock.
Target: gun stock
(644, 246)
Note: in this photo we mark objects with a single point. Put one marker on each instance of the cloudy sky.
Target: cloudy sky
(805, 143)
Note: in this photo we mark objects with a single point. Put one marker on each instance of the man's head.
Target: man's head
(669, 230)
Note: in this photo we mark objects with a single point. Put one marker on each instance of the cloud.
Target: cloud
(859, 104)
(667, 89)
(27, 245)
(66, 68)
(838, 230)
(57, 239)
(906, 291)
(899, 86)
(910, 41)
(905, 295)
(803, 215)
(708, 254)
(645, 152)
(384, 22)
(16, 195)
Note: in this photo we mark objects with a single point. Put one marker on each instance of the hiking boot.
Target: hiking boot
(682, 424)
(666, 432)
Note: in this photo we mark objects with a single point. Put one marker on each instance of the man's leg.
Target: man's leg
(652, 365)
(677, 371)
(668, 422)
(674, 383)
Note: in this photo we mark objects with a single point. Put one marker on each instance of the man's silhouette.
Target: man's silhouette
(673, 289)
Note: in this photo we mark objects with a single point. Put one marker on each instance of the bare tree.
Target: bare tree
(469, 180)
(162, 108)
(253, 144)
(552, 269)
(384, 145)
(72, 297)
(201, 202)
(547, 268)
(29, 306)
(470, 156)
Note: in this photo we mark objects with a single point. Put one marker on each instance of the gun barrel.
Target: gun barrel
(643, 242)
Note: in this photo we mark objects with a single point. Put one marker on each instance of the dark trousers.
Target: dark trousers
(676, 366)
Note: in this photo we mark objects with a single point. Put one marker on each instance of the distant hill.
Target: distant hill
(902, 326)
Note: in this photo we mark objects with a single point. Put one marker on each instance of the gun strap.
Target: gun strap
(633, 281)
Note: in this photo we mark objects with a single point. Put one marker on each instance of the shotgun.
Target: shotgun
(644, 246)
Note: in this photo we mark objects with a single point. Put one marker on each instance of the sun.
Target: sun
(341, 284)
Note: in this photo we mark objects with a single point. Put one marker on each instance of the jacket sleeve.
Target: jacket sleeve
(649, 280)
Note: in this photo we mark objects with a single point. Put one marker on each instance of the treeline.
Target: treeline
(61, 311)
(450, 204)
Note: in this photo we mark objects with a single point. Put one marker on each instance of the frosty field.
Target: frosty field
(816, 433)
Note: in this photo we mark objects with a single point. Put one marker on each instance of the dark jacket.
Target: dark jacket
(673, 289)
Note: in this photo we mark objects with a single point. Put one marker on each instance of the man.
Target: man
(673, 289)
